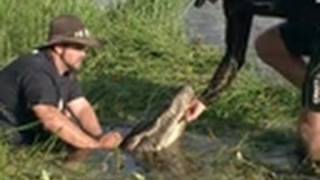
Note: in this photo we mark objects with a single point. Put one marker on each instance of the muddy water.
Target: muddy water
(199, 157)
(188, 160)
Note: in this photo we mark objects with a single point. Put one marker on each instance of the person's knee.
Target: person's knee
(261, 45)
(266, 45)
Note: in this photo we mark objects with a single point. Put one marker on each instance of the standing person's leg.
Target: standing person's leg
(281, 47)
(273, 51)
(309, 130)
(309, 124)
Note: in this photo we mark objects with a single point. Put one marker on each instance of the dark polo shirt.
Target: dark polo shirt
(30, 80)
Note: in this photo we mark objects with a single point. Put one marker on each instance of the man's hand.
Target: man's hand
(195, 110)
(110, 140)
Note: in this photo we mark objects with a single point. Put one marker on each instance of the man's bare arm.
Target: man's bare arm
(82, 110)
(85, 114)
(54, 121)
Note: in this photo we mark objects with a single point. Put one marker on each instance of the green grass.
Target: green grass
(146, 57)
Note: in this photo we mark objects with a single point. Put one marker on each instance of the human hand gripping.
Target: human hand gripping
(110, 140)
(195, 109)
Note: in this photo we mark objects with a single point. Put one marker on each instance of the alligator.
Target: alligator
(155, 143)
(160, 145)
(165, 129)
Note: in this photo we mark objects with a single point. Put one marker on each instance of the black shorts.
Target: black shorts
(303, 39)
(298, 37)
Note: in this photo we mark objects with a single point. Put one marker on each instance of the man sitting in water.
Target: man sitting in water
(43, 86)
(40, 95)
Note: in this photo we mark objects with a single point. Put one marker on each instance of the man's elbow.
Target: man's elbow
(48, 116)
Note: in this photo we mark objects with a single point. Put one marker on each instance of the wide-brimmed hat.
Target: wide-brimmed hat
(69, 29)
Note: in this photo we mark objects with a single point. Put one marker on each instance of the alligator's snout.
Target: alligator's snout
(159, 133)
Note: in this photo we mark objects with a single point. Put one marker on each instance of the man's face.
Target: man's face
(73, 55)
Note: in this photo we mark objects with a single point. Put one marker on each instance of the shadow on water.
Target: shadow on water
(279, 152)
(186, 159)
(200, 157)
(275, 148)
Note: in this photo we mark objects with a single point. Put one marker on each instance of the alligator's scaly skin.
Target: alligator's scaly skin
(164, 130)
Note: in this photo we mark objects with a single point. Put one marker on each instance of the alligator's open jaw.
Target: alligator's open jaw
(164, 130)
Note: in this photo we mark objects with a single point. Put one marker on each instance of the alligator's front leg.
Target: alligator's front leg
(238, 15)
